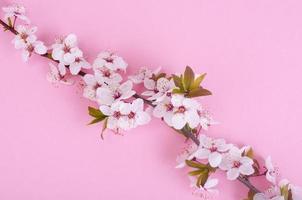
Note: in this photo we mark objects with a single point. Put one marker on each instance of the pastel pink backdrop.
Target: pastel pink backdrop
(251, 51)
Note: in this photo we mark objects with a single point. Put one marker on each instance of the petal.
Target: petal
(215, 159)
(162, 84)
(191, 103)
(142, 118)
(178, 121)
(211, 183)
(259, 196)
(177, 100)
(149, 84)
(202, 153)
(89, 79)
(126, 86)
(74, 68)
(159, 111)
(246, 160)
(246, 169)
(68, 58)
(104, 96)
(71, 40)
(105, 110)
(137, 105)
(233, 174)
(192, 118)
(57, 54)
(40, 48)
(168, 118)
(62, 69)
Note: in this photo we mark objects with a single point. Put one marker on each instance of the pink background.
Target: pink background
(251, 51)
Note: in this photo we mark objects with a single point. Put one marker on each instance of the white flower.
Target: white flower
(211, 149)
(142, 74)
(92, 83)
(158, 90)
(136, 116)
(55, 77)
(164, 110)
(206, 119)
(25, 35)
(125, 115)
(186, 154)
(109, 76)
(185, 111)
(65, 50)
(115, 114)
(261, 196)
(272, 172)
(109, 95)
(207, 191)
(235, 164)
(27, 41)
(110, 61)
(15, 11)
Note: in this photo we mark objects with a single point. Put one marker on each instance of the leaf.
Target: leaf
(197, 81)
(197, 92)
(285, 192)
(196, 172)
(197, 165)
(202, 179)
(177, 81)
(95, 112)
(250, 153)
(96, 120)
(10, 24)
(177, 91)
(188, 78)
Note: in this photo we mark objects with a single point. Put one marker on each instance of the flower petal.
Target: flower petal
(233, 174)
(215, 159)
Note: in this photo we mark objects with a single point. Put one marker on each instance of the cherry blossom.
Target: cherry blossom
(211, 149)
(111, 94)
(125, 116)
(164, 110)
(206, 119)
(142, 74)
(235, 164)
(186, 154)
(261, 196)
(54, 76)
(207, 191)
(271, 173)
(17, 11)
(185, 111)
(27, 41)
(158, 90)
(65, 50)
(110, 61)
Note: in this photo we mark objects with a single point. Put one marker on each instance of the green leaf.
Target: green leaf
(285, 192)
(197, 92)
(196, 172)
(96, 120)
(197, 165)
(197, 81)
(95, 112)
(177, 91)
(177, 81)
(104, 127)
(250, 153)
(188, 78)
(202, 179)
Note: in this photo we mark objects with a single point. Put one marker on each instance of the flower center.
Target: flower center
(117, 114)
(169, 107)
(23, 36)
(66, 49)
(131, 115)
(30, 48)
(236, 164)
(109, 59)
(181, 109)
(117, 95)
(169, 94)
(156, 90)
(106, 73)
(213, 149)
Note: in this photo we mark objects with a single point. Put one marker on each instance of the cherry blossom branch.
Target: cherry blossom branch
(186, 132)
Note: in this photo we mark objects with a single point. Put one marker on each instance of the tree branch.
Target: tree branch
(186, 132)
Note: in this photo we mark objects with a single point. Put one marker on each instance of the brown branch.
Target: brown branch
(186, 132)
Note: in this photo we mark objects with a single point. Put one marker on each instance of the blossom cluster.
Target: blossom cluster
(213, 154)
(174, 99)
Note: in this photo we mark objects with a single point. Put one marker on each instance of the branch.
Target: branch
(186, 132)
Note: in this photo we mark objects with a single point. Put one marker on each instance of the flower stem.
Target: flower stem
(186, 132)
